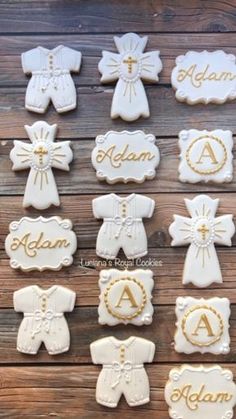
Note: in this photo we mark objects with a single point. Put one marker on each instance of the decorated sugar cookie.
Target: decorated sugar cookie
(130, 66)
(40, 157)
(125, 156)
(51, 79)
(202, 325)
(44, 320)
(204, 77)
(200, 393)
(123, 371)
(122, 224)
(202, 231)
(125, 297)
(41, 243)
(206, 156)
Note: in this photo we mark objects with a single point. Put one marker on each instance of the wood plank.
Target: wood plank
(168, 116)
(91, 46)
(82, 277)
(84, 329)
(82, 173)
(24, 388)
(79, 209)
(93, 16)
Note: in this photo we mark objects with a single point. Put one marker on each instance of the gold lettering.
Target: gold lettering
(204, 324)
(117, 158)
(31, 247)
(197, 78)
(127, 295)
(207, 152)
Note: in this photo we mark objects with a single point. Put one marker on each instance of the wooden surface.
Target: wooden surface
(64, 386)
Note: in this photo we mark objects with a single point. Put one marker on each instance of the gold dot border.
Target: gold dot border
(210, 171)
(184, 321)
(139, 310)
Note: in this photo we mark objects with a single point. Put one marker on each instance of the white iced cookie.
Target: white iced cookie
(202, 231)
(51, 79)
(206, 156)
(122, 224)
(40, 243)
(40, 157)
(200, 393)
(44, 320)
(123, 371)
(130, 66)
(125, 156)
(204, 77)
(202, 325)
(125, 297)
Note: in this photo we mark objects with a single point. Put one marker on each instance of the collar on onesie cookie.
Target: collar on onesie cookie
(126, 342)
(39, 291)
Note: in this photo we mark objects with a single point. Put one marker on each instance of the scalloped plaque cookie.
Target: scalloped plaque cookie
(44, 320)
(41, 243)
(204, 77)
(200, 393)
(202, 325)
(123, 370)
(206, 156)
(130, 66)
(122, 226)
(125, 156)
(125, 297)
(40, 157)
(51, 79)
(202, 231)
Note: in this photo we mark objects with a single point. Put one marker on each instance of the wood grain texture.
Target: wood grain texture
(98, 16)
(63, 386)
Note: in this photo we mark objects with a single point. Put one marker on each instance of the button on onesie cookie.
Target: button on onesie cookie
(51, 79)
(44, 320)
(123, 225)
(123, 371)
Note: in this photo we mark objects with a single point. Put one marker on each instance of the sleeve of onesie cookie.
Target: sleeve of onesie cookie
(100, 206)
(145, 206)
(147, 350)
(98, 351)
(21, 299)
(28, 61)
(65, 299)
(72, 59)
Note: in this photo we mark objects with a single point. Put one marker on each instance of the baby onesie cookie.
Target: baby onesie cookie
(202, 231)
(204, 77)
(206, 156)
(125, 297)
(44, 320)
(200, 393)
(40, 157)
(50, 78)
(123, 371)
(130, 66)
(125, 156)
(41, 243)
(202, 325)
(122, 224)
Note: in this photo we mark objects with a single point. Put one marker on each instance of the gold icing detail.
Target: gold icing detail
(41, 152)
(197, 78)
(210, 153)
(32, 246)
(204, 324)
(130, 61)
(209, 171)
(203, 230)
(139, 308)
(116, 159)
(215, 339)
(194, 398)
(127, 295)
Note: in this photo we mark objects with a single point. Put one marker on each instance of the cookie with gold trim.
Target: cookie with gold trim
(200, 393)
(202, 325)
(206, 156)
(125, 297)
